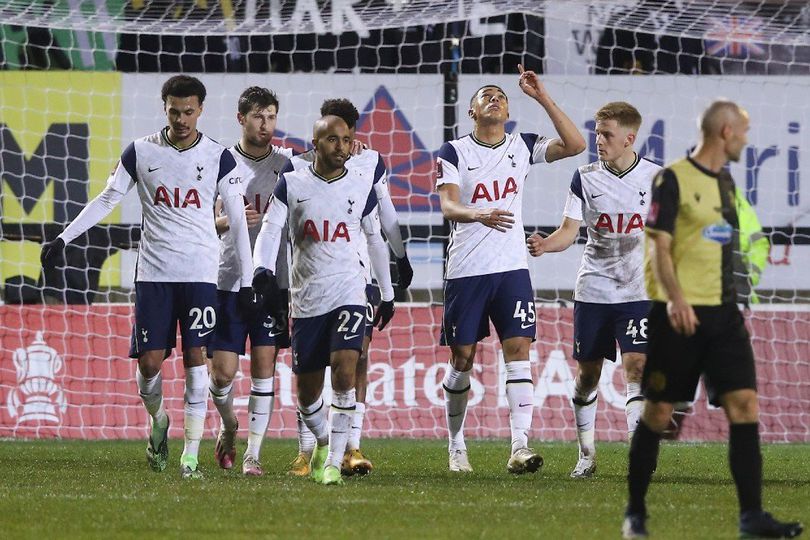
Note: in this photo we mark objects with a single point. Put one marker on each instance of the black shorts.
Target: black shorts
(720, 351)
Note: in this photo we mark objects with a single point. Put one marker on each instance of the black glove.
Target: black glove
(384, 314)
(248, 303)
(405, 272)
(266, 286)
(52, 253)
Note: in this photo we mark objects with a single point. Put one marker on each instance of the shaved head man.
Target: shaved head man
(724, 128)
(695, 328)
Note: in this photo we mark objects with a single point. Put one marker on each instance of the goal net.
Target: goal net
(81, 79)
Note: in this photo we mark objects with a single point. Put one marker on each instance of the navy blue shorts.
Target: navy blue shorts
(506, 298)
(232, 331)
(159, 306)
(373, 300)
(315, 338)
(597, 328)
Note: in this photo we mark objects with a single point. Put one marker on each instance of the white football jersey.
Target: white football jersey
(488, 176)
(613, 207)
(371, 162)
(324, 220)
(178, 189)
(259, 177)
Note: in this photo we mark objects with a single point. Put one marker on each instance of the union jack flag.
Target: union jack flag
(735, 36)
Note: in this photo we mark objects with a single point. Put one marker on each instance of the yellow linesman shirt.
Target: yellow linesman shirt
(696, 207)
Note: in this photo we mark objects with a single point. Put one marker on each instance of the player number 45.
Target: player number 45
(634, 330)
(527, 314)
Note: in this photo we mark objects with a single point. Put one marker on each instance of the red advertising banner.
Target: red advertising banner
(64, 372)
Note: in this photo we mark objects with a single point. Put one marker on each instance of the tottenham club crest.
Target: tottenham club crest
(37, 397)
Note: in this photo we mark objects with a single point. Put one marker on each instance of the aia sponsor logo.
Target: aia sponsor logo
(493, 192)
(619, 223)
(176, 198)
(327, 233)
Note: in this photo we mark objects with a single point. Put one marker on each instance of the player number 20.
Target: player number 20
(203, 318)
(345, 317)
(634, 330)
(526, 314)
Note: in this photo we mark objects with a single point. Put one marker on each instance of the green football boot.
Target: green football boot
(189, 468)
(331, 476)
(317, 462)
(158, 457)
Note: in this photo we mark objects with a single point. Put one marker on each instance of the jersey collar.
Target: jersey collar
(479, 142)
(624, 173)
(241, 152)
(703, 169)
(329, 180)
(164, 133)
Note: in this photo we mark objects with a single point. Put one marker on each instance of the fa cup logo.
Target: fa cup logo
(37, 396)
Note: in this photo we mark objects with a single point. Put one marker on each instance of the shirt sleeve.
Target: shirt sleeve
(229, 178)
(575, 201)
(121, 180)
(268, 241)
(378, 255)
(447, 166)
(277, 210)
(388, 216)
(371, 203)
(665, 201)
(537, 146)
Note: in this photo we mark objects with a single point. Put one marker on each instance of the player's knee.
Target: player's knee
(588, 376)
(193, 357)
(742, 407)
(462, 358)
(516, 349)
(657, 415)
(633, 368)
(362, 363)
(221, 378)
(586, 382)
(262, 362)
(149, 363)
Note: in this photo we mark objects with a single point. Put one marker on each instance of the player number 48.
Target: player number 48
(634, 330)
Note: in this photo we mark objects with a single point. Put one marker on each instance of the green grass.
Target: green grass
(75, 489)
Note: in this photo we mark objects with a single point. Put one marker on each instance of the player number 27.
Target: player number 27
(345, 317)
(634, 330)
(203, 318)
(527, 314)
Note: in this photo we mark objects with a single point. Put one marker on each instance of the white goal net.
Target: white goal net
(80, 79)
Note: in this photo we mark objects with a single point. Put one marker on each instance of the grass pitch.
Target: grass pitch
(76, 489)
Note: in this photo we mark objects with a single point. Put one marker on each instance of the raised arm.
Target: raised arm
(570, 141)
